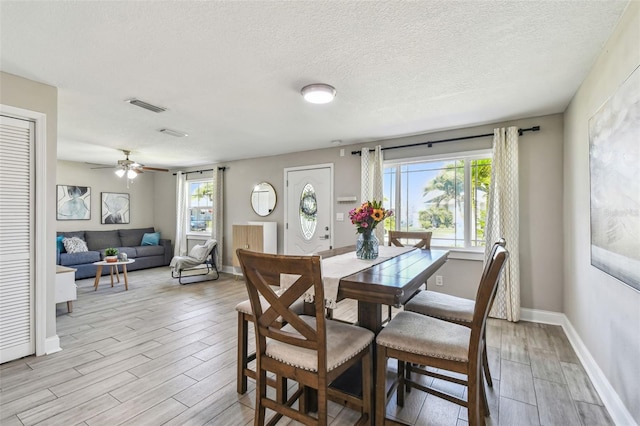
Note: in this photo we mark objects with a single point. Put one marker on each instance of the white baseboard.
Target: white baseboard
(52, 345)
(617, 410)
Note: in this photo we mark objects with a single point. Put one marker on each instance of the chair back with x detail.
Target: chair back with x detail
(422, 238)
(311, 350)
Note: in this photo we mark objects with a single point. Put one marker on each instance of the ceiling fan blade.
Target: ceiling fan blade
(154, 169)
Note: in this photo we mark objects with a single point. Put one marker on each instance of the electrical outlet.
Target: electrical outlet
(439, 280)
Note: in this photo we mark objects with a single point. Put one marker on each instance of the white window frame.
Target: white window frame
(468, 156)
(187, 225)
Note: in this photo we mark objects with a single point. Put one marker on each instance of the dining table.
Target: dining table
(391, 282)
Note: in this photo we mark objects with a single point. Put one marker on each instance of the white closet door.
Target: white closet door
(16, 239)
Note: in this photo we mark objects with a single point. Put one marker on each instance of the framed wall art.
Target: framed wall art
(115, 208)
(614, 163)
(73, 202)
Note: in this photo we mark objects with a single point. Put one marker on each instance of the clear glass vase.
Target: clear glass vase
(367, 245)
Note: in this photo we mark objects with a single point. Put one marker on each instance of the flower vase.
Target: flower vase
(367, 245)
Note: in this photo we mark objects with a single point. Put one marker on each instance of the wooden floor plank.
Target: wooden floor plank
(166, 353)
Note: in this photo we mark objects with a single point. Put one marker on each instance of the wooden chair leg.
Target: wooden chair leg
(381, 385)
(401, 384)
(366, 386)
(243, 331)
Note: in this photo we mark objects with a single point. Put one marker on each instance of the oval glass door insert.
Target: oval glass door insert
(308, 211)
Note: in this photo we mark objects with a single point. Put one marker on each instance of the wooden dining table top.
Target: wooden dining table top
(391, 282)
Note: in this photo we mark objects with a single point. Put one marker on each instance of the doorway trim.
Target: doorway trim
(286, 201)
(40, 255)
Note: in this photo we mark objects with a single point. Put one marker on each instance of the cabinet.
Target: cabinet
(66, 286)
(255, 236)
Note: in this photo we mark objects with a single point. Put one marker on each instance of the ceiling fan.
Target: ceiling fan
(130, 168)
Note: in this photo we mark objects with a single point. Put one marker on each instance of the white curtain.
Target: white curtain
(503, 220)
(217, 225)
(371, 171)
(180, 248)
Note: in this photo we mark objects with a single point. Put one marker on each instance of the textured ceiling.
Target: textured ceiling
(230, 72)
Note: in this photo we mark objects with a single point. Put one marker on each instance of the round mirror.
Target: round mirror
(263, 199)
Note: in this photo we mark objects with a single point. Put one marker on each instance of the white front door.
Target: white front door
(308, 210)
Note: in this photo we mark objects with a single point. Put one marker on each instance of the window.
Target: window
(200, 205)
(448, 196)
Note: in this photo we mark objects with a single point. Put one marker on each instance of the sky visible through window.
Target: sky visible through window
(432, 198)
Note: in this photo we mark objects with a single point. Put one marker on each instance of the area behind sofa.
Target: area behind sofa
(127, 241)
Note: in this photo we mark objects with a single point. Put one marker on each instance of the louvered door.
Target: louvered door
(16, 239)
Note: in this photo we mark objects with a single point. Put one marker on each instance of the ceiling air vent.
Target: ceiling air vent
(175, 133)
(145, 105)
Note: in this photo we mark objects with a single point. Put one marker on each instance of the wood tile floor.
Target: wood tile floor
(162, 353)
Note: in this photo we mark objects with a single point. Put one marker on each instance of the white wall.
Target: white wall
(603, 311)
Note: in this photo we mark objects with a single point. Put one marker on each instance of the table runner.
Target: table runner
(337, 267)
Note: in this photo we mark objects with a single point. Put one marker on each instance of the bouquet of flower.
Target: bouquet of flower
(368, 215)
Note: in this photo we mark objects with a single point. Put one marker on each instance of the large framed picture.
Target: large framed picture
(115, 208)
(614, 160)
(73, 202)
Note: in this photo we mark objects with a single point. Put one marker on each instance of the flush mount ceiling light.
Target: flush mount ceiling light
(318, 93)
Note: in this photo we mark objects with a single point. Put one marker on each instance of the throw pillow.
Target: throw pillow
(74, 245)
(151, 239)
(59, 244)
(199, 251)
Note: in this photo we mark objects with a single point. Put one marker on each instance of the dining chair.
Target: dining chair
(422, 238)
(419, 342)
(245, 316)
(451, 308)
(312, 350)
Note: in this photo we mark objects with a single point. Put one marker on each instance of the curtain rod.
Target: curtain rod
(202, 171)
(462, 138)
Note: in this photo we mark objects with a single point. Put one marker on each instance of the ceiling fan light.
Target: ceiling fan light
(120, 172)
(131, 174)
(318, 93)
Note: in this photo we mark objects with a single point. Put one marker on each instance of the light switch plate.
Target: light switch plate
(340, 217)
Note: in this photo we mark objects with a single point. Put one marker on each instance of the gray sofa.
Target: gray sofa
(125, 240)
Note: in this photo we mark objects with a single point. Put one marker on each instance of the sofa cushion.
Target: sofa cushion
(79, 234)
(143, 251)
(133, 237)
(59, 244)
(74, 245)
(69, 259)
(150, 239)
(130, 251)
(98, 240)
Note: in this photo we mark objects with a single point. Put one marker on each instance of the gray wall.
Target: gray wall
(30, 95)
(603, 311)
(540, 202)
(141, 195)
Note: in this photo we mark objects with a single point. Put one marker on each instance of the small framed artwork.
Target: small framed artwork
(73, 202)
(115, 208)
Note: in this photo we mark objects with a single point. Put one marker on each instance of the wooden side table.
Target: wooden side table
(113, 269)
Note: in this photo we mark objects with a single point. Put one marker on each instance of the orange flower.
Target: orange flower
(377, 215)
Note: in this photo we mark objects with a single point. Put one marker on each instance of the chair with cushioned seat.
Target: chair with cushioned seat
(312, 350)
(419, 340)
(245, 316)
(450, 308)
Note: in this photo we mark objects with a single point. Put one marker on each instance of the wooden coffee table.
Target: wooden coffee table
(113, 268)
